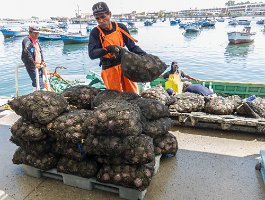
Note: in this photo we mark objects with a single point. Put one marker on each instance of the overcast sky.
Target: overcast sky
(68, 8)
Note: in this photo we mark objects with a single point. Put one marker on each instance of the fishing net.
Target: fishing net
(81, 96)
(187, 102)
(39, 106)
(141, 68)
(87, 168)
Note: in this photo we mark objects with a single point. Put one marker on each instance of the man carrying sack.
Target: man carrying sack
(104, 41)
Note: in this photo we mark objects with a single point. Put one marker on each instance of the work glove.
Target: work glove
(113, 49)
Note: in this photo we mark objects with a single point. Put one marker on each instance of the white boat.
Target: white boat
(49, 36)
(238, 37)
(193, 27)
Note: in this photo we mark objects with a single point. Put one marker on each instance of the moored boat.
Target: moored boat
(14, 32)
(243, 22)
(233, 22)
(193, 27)
(238, 37)
(74, 38)
(260, 21)
(148, 23)
(49, 36)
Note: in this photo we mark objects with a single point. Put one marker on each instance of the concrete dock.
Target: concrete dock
(209, 165)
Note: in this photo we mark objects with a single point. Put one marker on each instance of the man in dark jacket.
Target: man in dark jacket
(103, 42)
(32, 56)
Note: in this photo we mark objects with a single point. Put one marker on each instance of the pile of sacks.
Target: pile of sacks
(107, 134)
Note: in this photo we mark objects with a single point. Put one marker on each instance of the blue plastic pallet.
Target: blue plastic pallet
(262, 163)
(90, 183)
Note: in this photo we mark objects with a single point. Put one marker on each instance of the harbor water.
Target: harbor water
(204, 55)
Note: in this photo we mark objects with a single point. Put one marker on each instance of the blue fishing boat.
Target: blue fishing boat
(74, 38)
(173, 22)
(244, 22)
(14, 32)
(193, 27)
(148, 23)
(261, 21)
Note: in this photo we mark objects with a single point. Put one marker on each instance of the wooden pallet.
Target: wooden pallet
(90, 183)
(222, 122)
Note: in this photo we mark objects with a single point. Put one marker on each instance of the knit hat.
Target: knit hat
(100, 7)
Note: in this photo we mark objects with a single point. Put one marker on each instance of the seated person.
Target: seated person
(197, 89)
(175, 70)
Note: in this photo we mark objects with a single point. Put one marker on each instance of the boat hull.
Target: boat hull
(10, 33)
(74, 39)
(240, 37)
(49, 36)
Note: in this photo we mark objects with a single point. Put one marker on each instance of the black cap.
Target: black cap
(100, 7)
(174, 63)
(34, 29)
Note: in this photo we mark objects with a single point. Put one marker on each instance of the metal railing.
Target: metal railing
(16, 77)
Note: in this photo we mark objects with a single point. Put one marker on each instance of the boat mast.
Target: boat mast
(78, 16)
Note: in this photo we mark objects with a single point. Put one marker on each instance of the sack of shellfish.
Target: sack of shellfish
(114, 117)
(28, 131)
(139, 68)
(151, 109)
(35, 148)
(157, 127)
(106, 95)
(39, 106)
(220, 106)
(166, 144)
(81, 96)
(87, 168)
(132, 176)
(187, 102)
(69, 126)
(158, 93)
(73, 151)
(43, 162)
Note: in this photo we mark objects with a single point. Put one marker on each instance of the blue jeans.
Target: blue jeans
(32, 75)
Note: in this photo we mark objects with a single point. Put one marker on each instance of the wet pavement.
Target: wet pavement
(209, 165)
